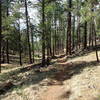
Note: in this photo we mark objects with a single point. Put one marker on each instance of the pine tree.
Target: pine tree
(0, 31)
(28, 39)
(68, 48)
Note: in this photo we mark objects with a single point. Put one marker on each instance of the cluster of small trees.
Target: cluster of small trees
(70, 24)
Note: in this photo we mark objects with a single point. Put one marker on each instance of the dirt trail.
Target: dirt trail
(54, 93)
(57, 92)
(68, 79)
(83, 86)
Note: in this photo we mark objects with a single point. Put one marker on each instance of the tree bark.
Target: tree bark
(7, 40)
(32, 40)
(7, 50)
(53, 39)
(20, 51)
(43, 32)
(28, 39)
(3, 54)
(50, 43)
(78, 33)
(96, 44)
(90, 33)
(69, 29)
(55, 33)
(0, 32)
(73, 32)
(85, 35)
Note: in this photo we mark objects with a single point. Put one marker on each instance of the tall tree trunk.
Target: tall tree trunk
(28, 39)
(48, 39)
(32, 40)
(53, 38)
(90, 33)
(7, 41)
(67, 42)
(7, 50)
(96, 44)
(43, 32)
(3, 54)
(73, 32)
(0, 32)
(50, 43)
(64, 39)
(94, 32)
(69, 28)
(20, 51)
(60, 35)
(85, 35)
(78, 33)
(55, 33)
(92, 36)
(53, 48)
(48, 51)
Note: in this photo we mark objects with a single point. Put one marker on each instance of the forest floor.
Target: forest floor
(74, 78)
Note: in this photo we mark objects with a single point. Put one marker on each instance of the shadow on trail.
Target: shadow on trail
(60, 73)
(36, 66)
(70, 69)
(24, 69)
(65, 73)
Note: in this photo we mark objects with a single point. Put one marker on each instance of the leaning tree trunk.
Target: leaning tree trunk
(0, 33)
(28, 39)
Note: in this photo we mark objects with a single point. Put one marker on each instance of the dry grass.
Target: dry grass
(74, 79)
